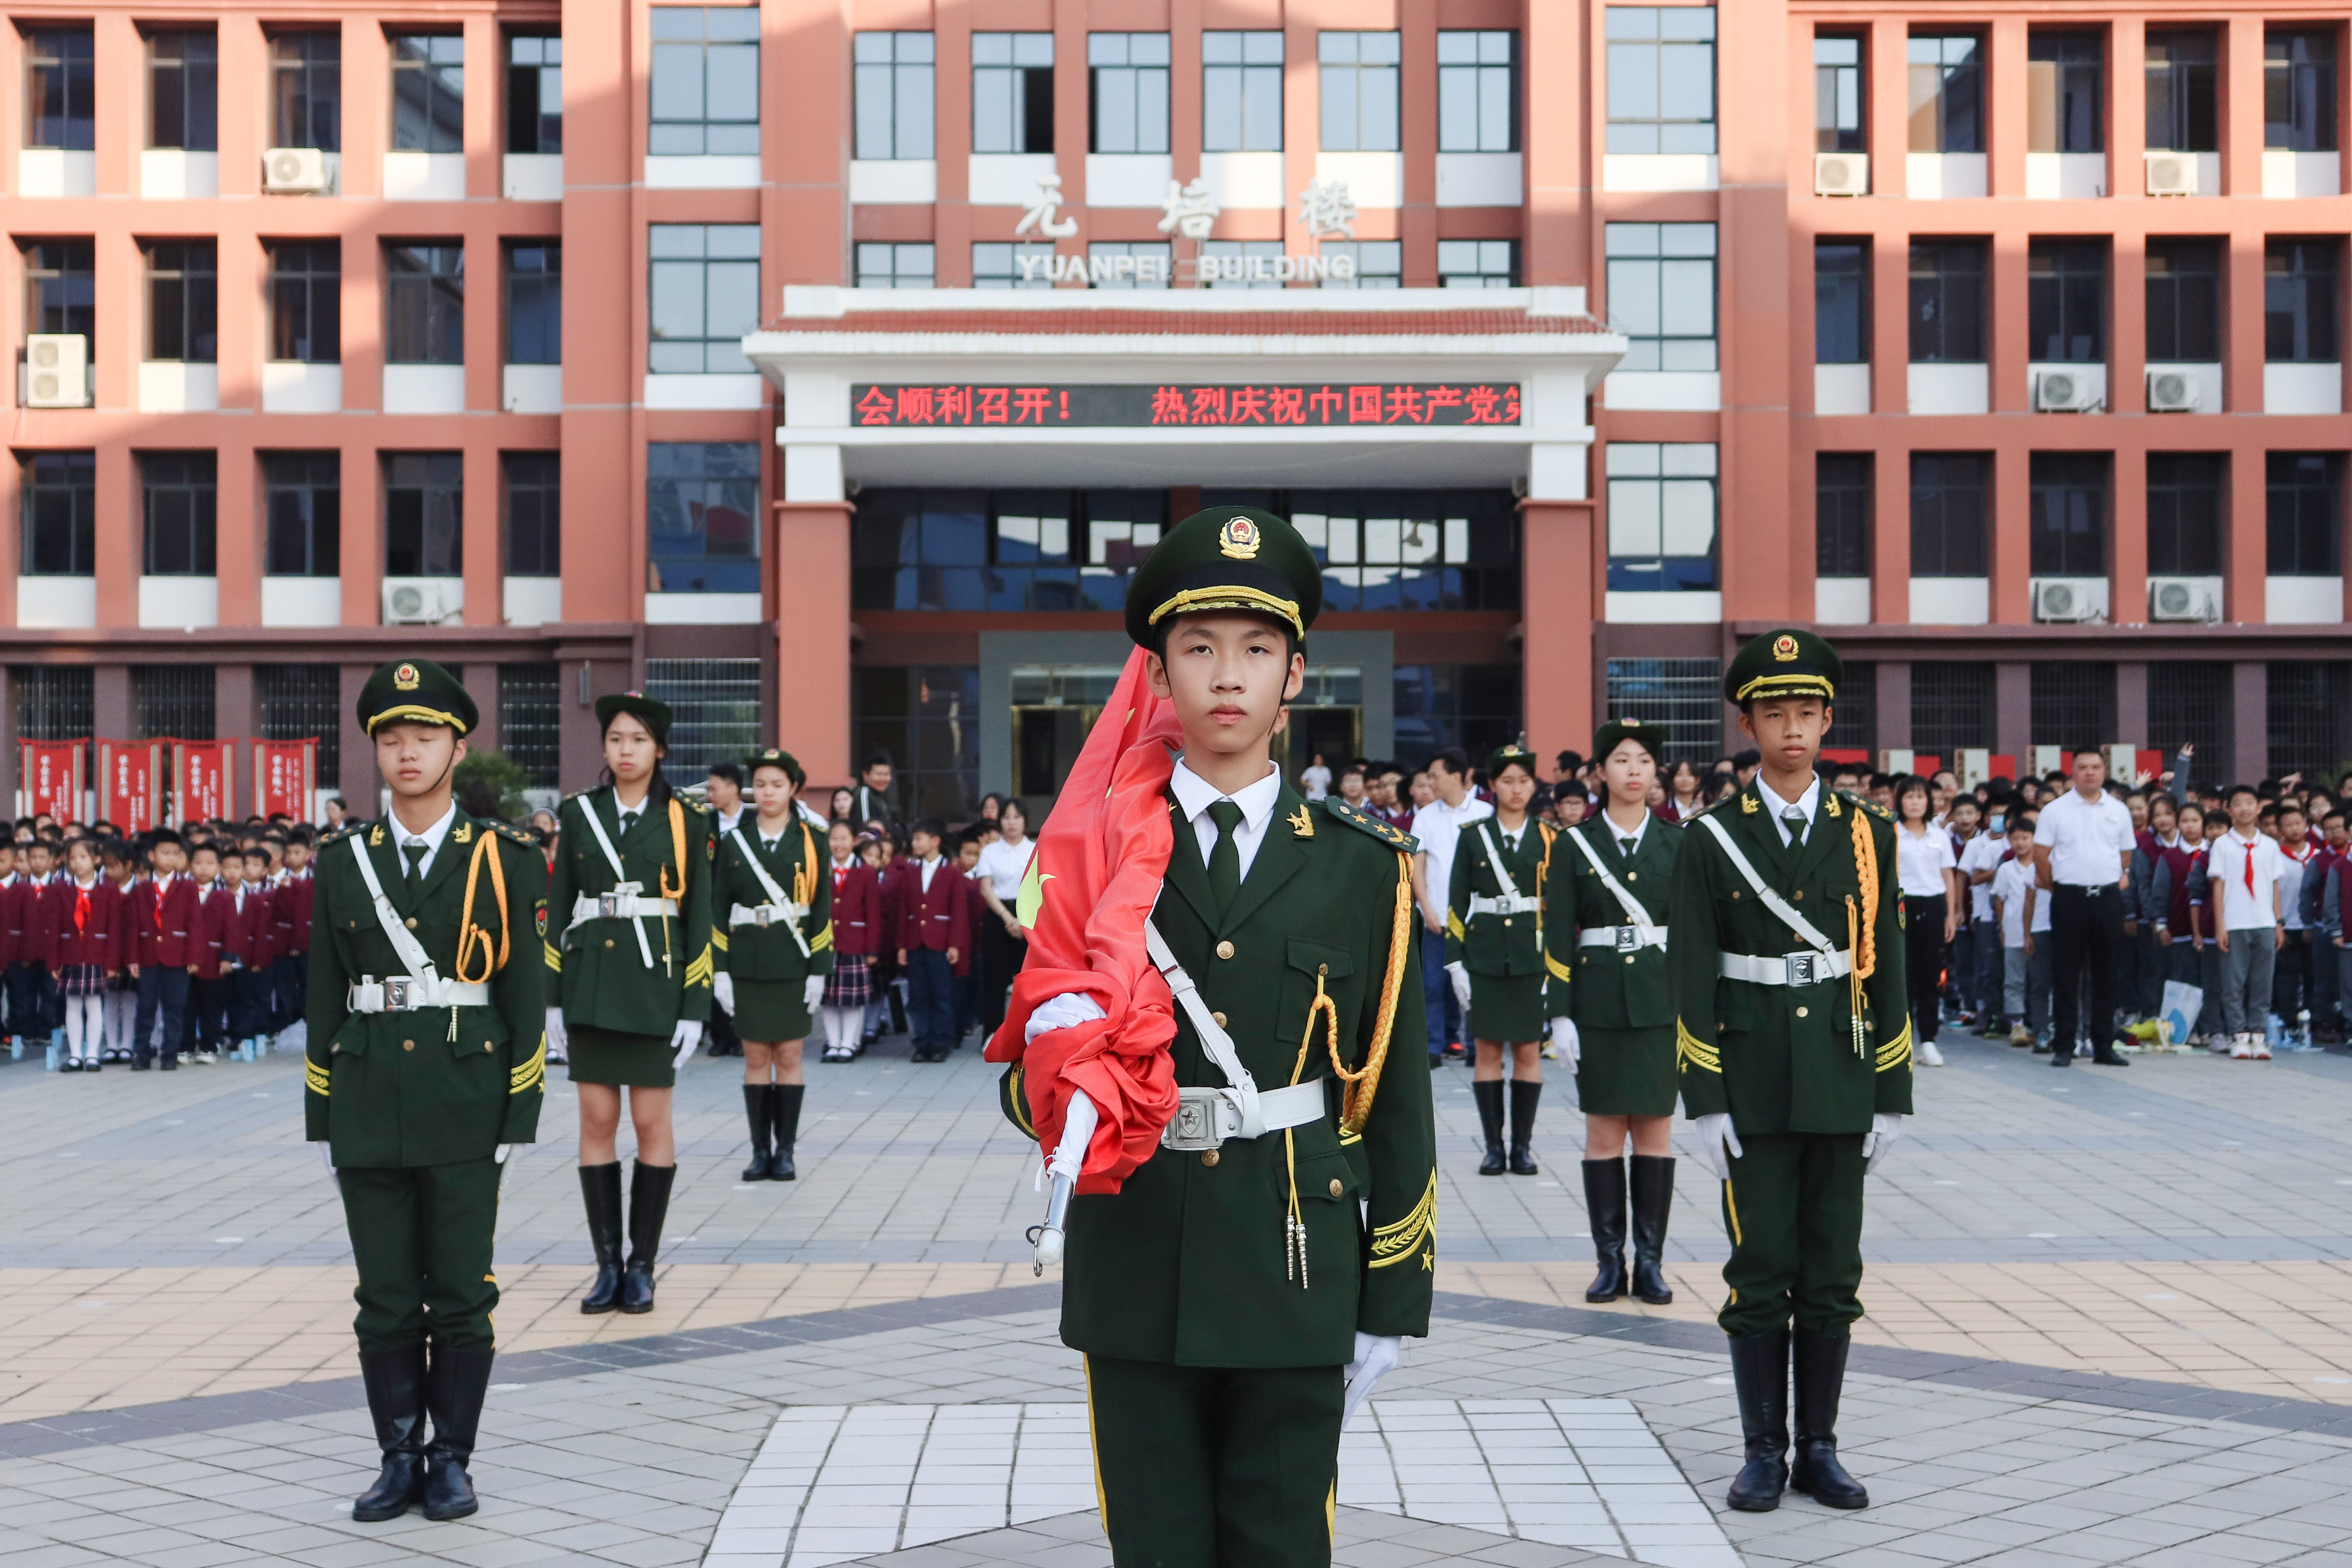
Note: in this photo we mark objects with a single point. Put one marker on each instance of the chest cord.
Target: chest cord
(678, 853)
(1862, 926)
(497, 950)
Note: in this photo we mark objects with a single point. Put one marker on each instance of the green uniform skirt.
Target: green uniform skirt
(1508, 1008)
(1625, 1072)
(769, 1012)
(608, 1056)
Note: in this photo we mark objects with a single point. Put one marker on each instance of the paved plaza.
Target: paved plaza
(2109, 1317)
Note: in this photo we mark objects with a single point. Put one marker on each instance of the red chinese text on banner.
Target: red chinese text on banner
(52, 778)
(283, 775)
(203, 780)
(130, 784)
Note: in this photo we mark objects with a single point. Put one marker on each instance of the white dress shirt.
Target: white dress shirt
(928, 867)
(2090, 841)
(431, 838)
(1628, 844)
(1439, 827)
(1809, 803)
(1195, 795)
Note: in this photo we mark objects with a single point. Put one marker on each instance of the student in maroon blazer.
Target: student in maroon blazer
(934, 940)
(162, 946)
(250, 998)
(28, 973)
(84, 945)
(889, 885)
(292, 899)
(856, 933)
(217, 942)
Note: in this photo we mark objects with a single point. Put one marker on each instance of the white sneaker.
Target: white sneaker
(2261, 1047)
(2242, 1048)
(1928, 1055)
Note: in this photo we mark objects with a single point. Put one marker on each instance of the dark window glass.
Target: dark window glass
(182, 301)
(304, 702)
(2190, 702)
(60, 90)
(308, 72)
(2299, 301)
(1841, 302)
(1838, 96)
(179, 495)
(1477, 92)
(896, 92)
(424, 304)
(183, 91)
(428, 94)
(1948, 301)
(702, 517)
(306, 306)
(1952, 707)
(1241, 92)
(1680, 699)
(172, 701)
(706, 81)
(534, 514)
(1842, 513)
(1945, 100)
(1012, 92)
(923, 716)
(2184, 301)
(2186, 493)
(715, 705)
(303, 494)
(1948, 514)
(61, 288)
(2063, 74)
(58, 514)
(2310, 718)
(54, 701)
(2066, 301)
(534, 96)
(535, 303)
(2306, 504)
(1855, 726)
(423, 514)
(2067, 528)
(531, 721)
(2069, 701)
(1477, 706)
(2299, 91)
(2183, 93)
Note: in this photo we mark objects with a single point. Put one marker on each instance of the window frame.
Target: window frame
(306, 79)
(1643, 70)
(435, 518)
(2059, 290)
(2070, 508)
(899, 254)
(734, 572)
(2313, 299)
(897, 85)
(189, 293)
(2184, 112)
(676, 127)
(1944, 101)
(1017, 89)
(1942, 282)
(194, 81)
(1241, 85)
(53, 64)
(1845, 506)
(1673, 277)
(72, 484)
(530, 128)
(1669, 471)
(1841, 94)
(1488, 273)
(49, 264)
(1491, 87)
(535, 478)
(2309, 541)
(719, 348)
(1836, 285)
(198, 488)
(2172, 293)
(1139, 82)
(530, 295)
(424, 302)
(1386, 254)
(320, 300)
(428, 108)
(2171, 550)
(1952, 479)
(304, 501)
(2304, 89)
(2065, 90)
(1359, 100)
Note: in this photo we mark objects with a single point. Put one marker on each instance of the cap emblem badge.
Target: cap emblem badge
(405, 677)
(1784, 648)
(1239, 539)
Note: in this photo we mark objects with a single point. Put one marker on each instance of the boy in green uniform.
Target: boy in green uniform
(1794, 1031)
(426, 1067)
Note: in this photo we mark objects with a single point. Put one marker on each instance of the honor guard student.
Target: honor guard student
(424, 1067)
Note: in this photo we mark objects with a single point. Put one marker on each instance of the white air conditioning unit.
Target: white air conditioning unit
(408, 603)
(57, 371)
(2171, 392)
(2066, 599)
(1840, 173)
(2064, 391)
(2183, 599)
(294, 171)
(2171, 174)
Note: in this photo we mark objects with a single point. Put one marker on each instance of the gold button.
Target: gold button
(408, 1045)
(1225, 949)
(1336, 1187)
(1629, 958)
(1633, 876)
(1735, 893)
(1209, 1158)
(1801, 1012)
(1220, 1017)
(333, 1048)
(1506, 924)
(608, 942)
(487, 1046)
(1798, 895)
(412, 923)
(1324, 969)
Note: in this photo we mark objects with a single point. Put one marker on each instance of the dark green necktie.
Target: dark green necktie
(415, 854)
(1225, 860)
(628, 820)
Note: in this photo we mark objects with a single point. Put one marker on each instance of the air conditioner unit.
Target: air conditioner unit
(414, 604)
(2183, 599)
(1840, 173)
(2064, 391)
(2171, 392)
(57, 371)
(294, 171)
(2064, 599)
(2171, 174)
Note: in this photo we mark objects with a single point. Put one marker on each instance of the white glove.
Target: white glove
(723, 988)
(555, 1035)
(1077, 1131)
(682, 1041)
(325, 1158)
(1376, 1357)
(500, 1153)
(1461, 976)
(1719, 1144)
(1884, 1128)
(811, 993)
(1066, 1010)
(1564, 1041)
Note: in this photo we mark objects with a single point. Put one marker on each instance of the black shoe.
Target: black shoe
(454, 1391)
(1435, 1061)
(784, 1121)
(1489, 1096)
(141, 1064)
(2057, 1060)
(1653, 1196)
(600, 1191)
(1820, 1373)
(395, 1380)
(2109, 1059)
(755, 1112)
(1604, 1202)
(1524, 1093)
(70, 1064)
(91, 1066)
(171, 1063)
(1760, 1373)
(648, 1206)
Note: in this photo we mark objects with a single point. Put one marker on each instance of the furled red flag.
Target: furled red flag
(1087, 895)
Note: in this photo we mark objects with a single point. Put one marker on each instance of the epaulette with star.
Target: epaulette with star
(1862, 802)
(693, 805)
(509, 830)
(345, 831)
(1395, 837)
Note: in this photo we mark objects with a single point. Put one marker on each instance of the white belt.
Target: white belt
(1806, 968)
(1206, 1118)
(1504, 904)
(405, 996)
(1622, 939)
(620, 906)
(764, 914)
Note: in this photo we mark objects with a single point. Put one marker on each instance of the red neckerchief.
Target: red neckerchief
(81, 910)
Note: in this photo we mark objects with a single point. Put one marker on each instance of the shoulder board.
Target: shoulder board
(345, 831)
(1396, 838)
(1725, 803)
(508, 830)
(1860, 803)
(692, 804)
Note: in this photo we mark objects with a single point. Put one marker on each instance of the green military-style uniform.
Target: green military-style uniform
(423, 1067)
(1495, 945)
(1803, 1044)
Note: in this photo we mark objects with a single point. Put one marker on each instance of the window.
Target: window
(2188, 702)
(1473, 706)
(2306, 504)
(706, 296)
(303, 492)
(1661, 78)
(2067, 527)
(423, 514)
(1952, 707)
(925, 718)
(531, 721)
(897, 95)
(1358, 91)
(706, 86)
(2183, 93)
(172, 701)
(60, 90)
(535, 485)
(2066, 301)
(1127, 92)
(2185, 498)
(1012, 92)
(1681, 698)
(2299, 301)
(1662, 515)
(2299, 91)
(1154, 263)
(1226, 250)
(304, 702)
(2069, 703)
(2308, 703)
(1023, 265)
(2184, 301)
(424, 304)
(57, 514)
(307, 69)
(1478, 263)
(702, 517)
(306, 308)
(1948, 514)
(1000, 550)
(179, 493)
(60, 288)
(897, 266)
(1411, 550)
(1241, 92)
(534, 94)
(1379, 263)
(2063, 74)
(1662, 294)
(535, 302)
(1854, 725)
(1477, 92)
(1842, 513)
(1946, 92)
(1841, 302)
(54, 701)
(183, 91)
(1838, 96)
(182, 293)
(428, 94)
(1948, 301)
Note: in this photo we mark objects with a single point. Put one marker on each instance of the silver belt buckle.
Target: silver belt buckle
(396, 995)
(1804, 968)
(762, 916)
(1628, 938)
(1198, 1126)
(608, 906)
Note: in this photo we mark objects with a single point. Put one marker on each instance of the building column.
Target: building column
(2013, 711)
(357, 780)
(112, 715)
(236, 720)
(2249, 721)
(2131, 704)
(1558, 613)
(1893, 706)
(482, 684)
(813, 631)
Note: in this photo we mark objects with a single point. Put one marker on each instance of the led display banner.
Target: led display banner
(1304, 407)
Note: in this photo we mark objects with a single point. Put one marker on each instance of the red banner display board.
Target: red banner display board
(284, 774)
(130, 784)
(52, 777)
(203, 780)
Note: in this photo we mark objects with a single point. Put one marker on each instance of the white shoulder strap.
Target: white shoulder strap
(1773, 900)
(1495, 858)
(1214, 1042)
(775, 894)
(596, 829)
(405, 945)
(1635, 914)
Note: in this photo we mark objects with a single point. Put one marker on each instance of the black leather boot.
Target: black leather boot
(1821, 1374)
(1653, 1196)
(1760, 1373)
(1524, 1095)
(1489, 1096)
(395, 1380)
(756, 1109)
(784, 1115)
(453, 1389)
(648, 1206)
(1604, 1202)
(600, 1190)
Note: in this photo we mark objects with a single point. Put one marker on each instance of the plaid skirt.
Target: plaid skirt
(81, 980)
(848, 986)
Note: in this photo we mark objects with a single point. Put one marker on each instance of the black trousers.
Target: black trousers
(2086, 928)
(165, 988)
(1923, 953)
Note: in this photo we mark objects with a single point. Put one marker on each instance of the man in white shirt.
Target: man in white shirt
(2244, 871)
(1315, 779)
(2082, 851)
(1438, 825)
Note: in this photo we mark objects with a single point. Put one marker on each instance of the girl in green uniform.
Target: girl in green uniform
(1494, 953)
(772, 895)
(628, 930)
(1605, 948)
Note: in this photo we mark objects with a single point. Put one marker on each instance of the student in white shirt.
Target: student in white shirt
(2293, 992)
(2023, 911)
(2242, 872)
(1976, 956)
(1927, 869)
(1002, 942)
(1437, 825)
